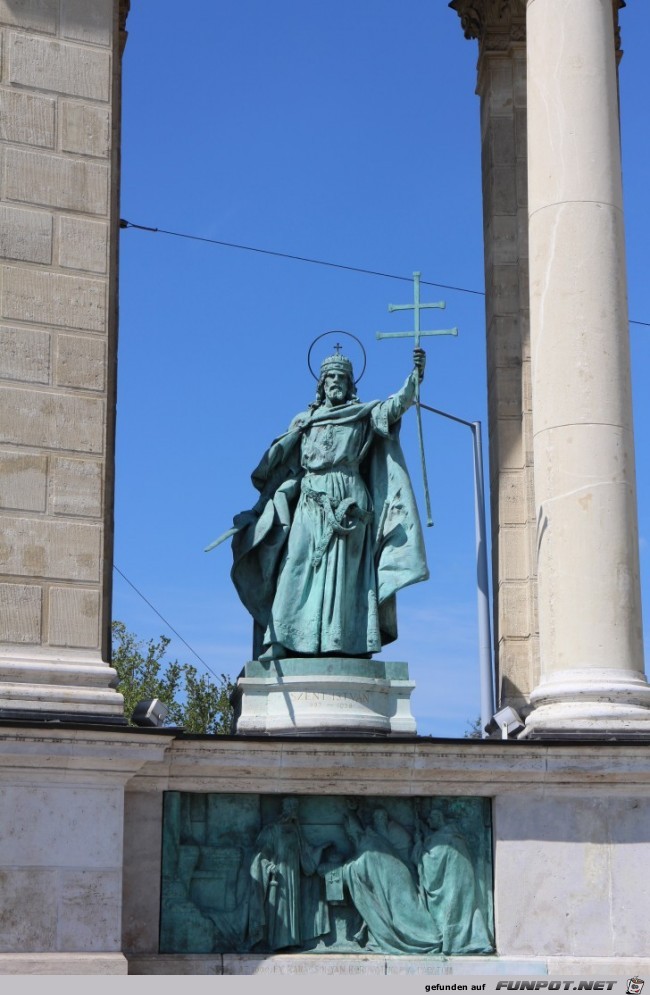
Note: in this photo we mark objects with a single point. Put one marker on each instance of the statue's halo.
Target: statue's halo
(337, 331)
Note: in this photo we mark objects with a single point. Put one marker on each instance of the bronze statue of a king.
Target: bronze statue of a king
(335, 532)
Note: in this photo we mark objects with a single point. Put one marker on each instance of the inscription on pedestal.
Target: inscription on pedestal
(344, 699)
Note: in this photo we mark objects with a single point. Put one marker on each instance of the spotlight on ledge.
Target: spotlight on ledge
(509, 721)
(151, 712)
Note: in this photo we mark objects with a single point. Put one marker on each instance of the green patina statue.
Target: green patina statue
(261, 873)
(335, 532)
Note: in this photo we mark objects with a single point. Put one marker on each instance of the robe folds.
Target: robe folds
(335, 533)
(384, 894)
(449, 888)
(287, 907)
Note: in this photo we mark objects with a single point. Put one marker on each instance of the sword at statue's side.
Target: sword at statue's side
(222, 538)
(416, 334)
(240, 522)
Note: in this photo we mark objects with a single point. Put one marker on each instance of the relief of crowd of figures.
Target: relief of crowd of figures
(244, 873)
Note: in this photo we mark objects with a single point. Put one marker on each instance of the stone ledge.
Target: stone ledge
(380, 965)
(329, 964)
(60, 964)
(413, 766)
(46, 752)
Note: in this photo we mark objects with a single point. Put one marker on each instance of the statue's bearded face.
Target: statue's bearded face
(336, 386)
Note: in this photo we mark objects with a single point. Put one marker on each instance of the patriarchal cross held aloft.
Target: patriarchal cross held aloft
(416, 307)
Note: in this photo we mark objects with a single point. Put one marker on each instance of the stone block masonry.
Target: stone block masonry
(45, 64)
(56, 181)
(59, 177)
(501, 85)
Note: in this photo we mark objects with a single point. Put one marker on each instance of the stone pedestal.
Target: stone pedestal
(61, 831)
(324, 696)
(571, 832)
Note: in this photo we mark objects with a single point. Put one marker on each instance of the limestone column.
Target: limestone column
(592, 678)
(500, 30)
(59, 143)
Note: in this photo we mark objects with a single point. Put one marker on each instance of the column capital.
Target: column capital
(495, 23)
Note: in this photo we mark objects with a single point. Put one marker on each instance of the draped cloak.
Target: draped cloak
(286, 906)
(335, 533)
(383, 892)
(449, 888)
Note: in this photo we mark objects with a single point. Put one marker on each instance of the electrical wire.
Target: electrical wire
(316, 262)
(163, 619)
(300, 259)
(303, 259)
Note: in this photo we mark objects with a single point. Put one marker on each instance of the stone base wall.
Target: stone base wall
(81, 836)
(61, 830)
(571, 830)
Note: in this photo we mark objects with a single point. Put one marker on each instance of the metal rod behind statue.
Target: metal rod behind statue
(486, 668)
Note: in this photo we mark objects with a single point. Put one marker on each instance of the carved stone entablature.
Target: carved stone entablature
(618, 5)
(125, 6)
(496, 23)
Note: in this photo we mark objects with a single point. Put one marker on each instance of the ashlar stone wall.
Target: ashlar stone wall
(500, 28)
(59, 159)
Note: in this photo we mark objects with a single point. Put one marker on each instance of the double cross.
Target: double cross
(416, 334)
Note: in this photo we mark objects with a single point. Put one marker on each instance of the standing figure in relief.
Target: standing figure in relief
(449, 887)
(287, 907)
(335, 532)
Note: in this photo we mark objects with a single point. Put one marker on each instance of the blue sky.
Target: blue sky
(349, 132)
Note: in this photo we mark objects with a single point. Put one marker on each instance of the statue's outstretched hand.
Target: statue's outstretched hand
(244, 518)
(419, 361)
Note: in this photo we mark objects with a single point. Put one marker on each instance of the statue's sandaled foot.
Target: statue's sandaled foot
(274, 652)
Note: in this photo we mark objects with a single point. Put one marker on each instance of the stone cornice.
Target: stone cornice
(56, 753)
(394, 767)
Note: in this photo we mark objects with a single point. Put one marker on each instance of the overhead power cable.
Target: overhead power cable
(163, 619)
(316, 262)
(300, 259)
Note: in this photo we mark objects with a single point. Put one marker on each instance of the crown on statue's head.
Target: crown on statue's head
(336, 364)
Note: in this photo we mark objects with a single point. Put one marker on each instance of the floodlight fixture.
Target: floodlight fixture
(150, 712)
(509, 721)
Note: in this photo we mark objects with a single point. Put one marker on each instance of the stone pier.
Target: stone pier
(59, 140)
(565, 544)
(500, 30)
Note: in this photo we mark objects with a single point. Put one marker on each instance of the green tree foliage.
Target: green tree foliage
(474, 729)
(195, 702)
